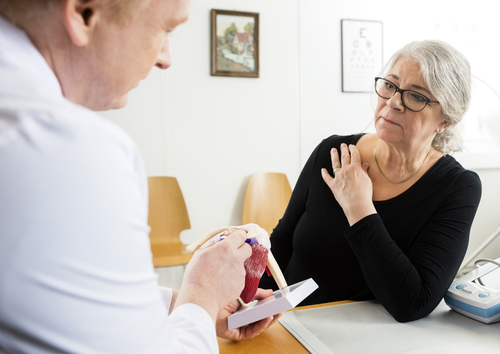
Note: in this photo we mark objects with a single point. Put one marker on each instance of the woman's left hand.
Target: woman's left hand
(351, 185)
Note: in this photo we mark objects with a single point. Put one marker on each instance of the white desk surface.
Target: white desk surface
(366, 327)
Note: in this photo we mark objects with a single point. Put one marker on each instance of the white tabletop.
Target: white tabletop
(366, 327)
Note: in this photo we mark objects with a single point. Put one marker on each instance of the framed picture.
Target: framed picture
(362, 56)
(235, 43)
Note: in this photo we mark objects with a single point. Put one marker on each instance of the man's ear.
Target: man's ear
(80, 17)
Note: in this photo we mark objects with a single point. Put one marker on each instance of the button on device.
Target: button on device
(460, 286)
(483, 295)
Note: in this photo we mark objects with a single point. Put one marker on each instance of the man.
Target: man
(75, 264)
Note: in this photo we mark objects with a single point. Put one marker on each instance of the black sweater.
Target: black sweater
(405, 256)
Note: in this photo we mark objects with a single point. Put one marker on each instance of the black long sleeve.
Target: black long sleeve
(405, 256)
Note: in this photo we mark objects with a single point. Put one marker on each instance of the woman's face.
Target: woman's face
(397, 125)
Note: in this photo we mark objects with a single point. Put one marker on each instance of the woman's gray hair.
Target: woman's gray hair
(446, 72)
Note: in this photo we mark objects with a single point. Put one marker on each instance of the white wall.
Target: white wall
(469, 26)
(213, 132)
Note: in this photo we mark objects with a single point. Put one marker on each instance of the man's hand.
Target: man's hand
(245, 332)
(215, 276)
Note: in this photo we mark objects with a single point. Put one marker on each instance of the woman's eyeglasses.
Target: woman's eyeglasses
(412, 100)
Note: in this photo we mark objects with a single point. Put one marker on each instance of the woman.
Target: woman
(389, 218)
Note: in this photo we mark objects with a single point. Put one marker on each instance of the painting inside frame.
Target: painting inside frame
(235, 49)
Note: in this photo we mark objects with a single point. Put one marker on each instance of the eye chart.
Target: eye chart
(361, 54)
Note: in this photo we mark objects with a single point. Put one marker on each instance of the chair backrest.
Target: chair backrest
(266, 199)
(168, 216)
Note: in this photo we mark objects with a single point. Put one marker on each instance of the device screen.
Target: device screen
(490, 279)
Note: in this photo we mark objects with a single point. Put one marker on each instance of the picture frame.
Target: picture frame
(234, 43)
(362, 54)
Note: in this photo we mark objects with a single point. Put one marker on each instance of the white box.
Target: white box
(280, 301)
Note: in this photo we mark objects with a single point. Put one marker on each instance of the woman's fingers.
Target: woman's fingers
(355, 157)
(349, 155)
(326, 176)
(334, 155)
(345, 156)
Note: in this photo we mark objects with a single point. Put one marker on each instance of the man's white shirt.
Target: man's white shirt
(76, 272)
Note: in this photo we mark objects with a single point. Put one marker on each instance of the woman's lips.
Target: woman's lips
(389, 121)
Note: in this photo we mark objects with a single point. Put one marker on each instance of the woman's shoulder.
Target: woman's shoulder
(323, 149)
(321, 154)
(334, 141)
(450, 170)
(448, 164)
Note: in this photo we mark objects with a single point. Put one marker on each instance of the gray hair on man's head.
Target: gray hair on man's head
(447, 74)
(18, 10)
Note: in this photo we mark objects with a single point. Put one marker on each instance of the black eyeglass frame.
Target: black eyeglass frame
(427, 99)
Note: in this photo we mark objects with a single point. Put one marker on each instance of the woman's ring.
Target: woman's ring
(336, 169)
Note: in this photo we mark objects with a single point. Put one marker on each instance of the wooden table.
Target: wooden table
(275, 339)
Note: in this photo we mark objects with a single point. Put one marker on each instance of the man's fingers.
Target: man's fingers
(276, 317)
(262, 293)
(256, 328)
(237, 239)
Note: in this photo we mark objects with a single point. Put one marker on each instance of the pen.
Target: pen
(250, 241)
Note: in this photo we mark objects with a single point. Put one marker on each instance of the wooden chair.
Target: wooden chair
(168, 216)
(266, 199)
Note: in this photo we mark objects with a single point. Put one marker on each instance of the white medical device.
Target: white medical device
(477, 294)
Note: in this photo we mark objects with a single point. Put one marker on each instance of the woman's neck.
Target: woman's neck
(398, 165)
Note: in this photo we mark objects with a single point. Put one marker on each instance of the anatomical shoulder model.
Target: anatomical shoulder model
(261, 259)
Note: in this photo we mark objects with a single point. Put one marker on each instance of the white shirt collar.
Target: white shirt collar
(18, 54)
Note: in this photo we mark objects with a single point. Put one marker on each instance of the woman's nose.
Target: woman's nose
(396, 102)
